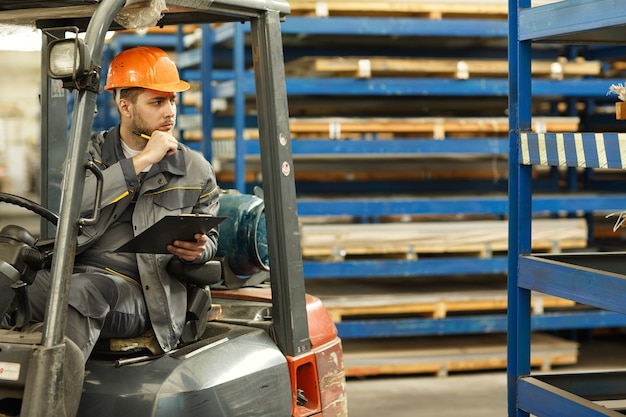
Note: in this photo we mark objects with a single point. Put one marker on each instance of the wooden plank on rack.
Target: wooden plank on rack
(437, 127)
(318, 172)
(414, 8)
(443, 355)
(411, 239)
(436, 306)
(424, 297)
(392, 127)
(366, 67)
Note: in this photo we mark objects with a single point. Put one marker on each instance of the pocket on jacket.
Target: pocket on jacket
(177, 198)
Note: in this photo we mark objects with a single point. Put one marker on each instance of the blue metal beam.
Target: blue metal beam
(189, 58)
(540, 398)
(498, 87)
(496, 205)
(404, 268)
(492, 323)
(378, 26)
(585, 21)
(589, 286)
(390, 148)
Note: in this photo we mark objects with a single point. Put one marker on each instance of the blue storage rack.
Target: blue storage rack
(227, 44)
(593, 279)
(374, 206)
(243, 85)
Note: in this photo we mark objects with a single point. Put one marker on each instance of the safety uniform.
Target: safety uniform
(118, 296)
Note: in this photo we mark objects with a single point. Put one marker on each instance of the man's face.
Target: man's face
(154, 110)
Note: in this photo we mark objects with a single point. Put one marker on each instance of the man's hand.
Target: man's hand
(189, 251)
(160, 145)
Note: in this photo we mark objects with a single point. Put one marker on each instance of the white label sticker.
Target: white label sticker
(9, 371)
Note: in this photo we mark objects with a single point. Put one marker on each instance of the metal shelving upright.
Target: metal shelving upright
(593, 279)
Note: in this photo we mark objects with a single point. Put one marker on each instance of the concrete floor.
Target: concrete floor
(468, 394)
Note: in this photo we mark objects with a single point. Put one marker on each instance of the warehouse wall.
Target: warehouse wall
(20, 87)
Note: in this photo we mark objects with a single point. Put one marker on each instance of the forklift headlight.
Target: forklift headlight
(67, 58)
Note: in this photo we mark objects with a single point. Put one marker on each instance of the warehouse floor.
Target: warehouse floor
(469, 394)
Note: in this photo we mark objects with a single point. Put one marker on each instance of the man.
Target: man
(147, 175)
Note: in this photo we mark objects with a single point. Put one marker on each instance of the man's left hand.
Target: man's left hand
(189, 251)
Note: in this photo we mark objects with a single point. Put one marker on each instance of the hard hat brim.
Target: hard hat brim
(176, 87)
(171, 87)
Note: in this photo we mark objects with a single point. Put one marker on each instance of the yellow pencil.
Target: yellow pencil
(142, 135)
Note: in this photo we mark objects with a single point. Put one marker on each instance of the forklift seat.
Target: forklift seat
(200, 275)
(197, 278)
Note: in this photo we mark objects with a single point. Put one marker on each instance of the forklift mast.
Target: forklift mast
(64, 172)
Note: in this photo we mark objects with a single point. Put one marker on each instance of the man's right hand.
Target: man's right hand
(160, 145)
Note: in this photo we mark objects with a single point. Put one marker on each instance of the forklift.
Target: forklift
(251, 348)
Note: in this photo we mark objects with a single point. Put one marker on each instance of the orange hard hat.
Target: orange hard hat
(146, 67)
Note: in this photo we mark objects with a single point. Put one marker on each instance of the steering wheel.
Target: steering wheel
(31, 206)
(36, 208)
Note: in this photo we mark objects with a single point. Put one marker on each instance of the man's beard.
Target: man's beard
(140, 125)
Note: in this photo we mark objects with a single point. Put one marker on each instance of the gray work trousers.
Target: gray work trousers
(100, 304)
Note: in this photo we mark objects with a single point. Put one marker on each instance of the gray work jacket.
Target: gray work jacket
(185, 183)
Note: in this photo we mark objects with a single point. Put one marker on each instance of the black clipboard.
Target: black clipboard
(170, 228)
